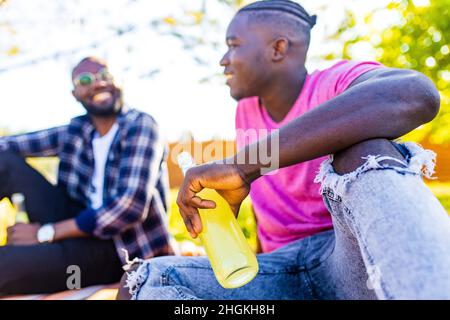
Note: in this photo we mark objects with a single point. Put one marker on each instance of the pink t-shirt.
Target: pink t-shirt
(288, 205)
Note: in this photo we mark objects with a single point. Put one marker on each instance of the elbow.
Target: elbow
(425, 95)
(119, 216)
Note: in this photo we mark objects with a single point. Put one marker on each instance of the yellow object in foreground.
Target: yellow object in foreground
(7, 219)
(232, 260)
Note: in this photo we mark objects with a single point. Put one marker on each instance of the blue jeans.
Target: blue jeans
(391, 240)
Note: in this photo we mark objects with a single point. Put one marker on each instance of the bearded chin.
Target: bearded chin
(105, 111)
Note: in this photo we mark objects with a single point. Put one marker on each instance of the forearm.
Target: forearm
(378, 108)
(42, 143)
(67, 229)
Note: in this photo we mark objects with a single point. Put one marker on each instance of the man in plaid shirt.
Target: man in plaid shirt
(111, 192)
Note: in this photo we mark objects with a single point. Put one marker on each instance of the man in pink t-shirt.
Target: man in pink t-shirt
(372, 229)
(295, 208)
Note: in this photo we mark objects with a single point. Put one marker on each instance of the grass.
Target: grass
(442, 191)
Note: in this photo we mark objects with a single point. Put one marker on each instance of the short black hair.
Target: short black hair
(287, 6)
(90, 58)
(282, 15)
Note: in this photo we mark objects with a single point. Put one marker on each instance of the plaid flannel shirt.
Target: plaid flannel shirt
(135, 186)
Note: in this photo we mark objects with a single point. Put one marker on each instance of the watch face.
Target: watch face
(46, 233)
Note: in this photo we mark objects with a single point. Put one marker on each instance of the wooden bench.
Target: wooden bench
(99, 292)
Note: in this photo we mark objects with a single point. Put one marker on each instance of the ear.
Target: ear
(280, 47)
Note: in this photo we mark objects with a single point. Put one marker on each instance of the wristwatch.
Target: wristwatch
(46, 233)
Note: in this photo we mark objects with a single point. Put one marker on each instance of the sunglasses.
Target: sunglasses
(86, 79)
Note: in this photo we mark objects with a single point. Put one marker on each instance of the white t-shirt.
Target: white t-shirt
(101, 147)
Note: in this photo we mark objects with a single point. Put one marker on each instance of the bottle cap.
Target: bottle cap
(17, 198)
(185, 161)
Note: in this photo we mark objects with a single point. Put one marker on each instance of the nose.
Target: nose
(225, 61)
(99, 83)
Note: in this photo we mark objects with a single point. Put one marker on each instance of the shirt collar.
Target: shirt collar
(88, 129)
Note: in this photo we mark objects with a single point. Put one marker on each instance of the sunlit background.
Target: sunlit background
(165, 54)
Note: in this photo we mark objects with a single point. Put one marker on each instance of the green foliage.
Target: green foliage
(419, 40)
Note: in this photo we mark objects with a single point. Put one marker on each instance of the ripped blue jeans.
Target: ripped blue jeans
(391, 240)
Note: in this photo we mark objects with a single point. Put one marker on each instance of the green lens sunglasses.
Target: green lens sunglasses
(88, 78)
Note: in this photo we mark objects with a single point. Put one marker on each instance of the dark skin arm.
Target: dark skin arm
(26, 234)
(383, 103)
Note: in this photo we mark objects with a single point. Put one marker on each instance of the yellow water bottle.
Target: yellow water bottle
(18, 200)
(232, 260)
(6, 219)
